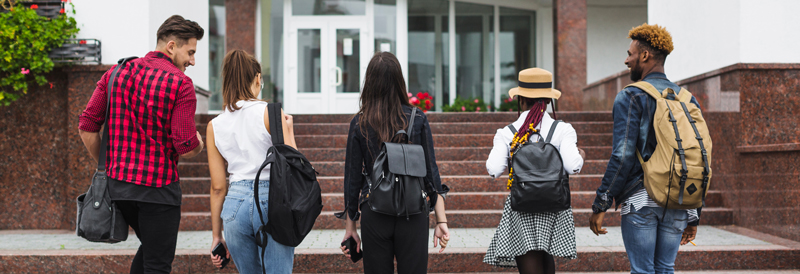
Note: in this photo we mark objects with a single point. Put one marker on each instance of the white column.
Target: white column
(451, 29)
(438, 63)
(497, 79)
(402, 36)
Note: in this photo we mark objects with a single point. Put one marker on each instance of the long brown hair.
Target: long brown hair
(239, 69)
(383, 97)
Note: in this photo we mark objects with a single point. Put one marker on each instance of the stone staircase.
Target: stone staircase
(474, 207)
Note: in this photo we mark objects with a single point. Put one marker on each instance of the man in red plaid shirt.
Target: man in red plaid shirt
(151, 126)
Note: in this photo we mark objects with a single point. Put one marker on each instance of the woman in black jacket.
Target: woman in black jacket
(385, 110)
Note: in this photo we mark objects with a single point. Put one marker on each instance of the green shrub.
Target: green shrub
(508, 104)
(26, 39)
(466, 105)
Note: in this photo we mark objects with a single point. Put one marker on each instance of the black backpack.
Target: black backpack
(295, 198)
(396, 185)
(540, 182)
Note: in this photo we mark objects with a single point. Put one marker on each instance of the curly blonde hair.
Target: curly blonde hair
(655, 36)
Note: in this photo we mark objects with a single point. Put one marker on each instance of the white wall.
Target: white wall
(712, 34)
(544, 38)
(128, 28)
(607, 26)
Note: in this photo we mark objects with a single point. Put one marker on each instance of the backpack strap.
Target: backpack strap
(685, 97)
(706, 170)
(411, 123)
(275, 123)
(512, 128)
(552, 130)
(648, 88)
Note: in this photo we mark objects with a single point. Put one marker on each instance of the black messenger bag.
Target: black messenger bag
(396, 185)
(98, 218)
(540, 182)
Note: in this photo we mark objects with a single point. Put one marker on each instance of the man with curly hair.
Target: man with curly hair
(651, 234)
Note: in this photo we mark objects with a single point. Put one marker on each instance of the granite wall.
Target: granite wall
(752, 111)
(44, 165)
(600, 95)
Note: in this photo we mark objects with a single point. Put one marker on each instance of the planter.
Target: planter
(77, 51)
(46, 8)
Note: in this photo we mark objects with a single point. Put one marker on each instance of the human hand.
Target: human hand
(289, 120)
(582, 153)
(351, 233)
(441, 235)
(216, 259)
(688, 234)
(200, 138)
(596, 223)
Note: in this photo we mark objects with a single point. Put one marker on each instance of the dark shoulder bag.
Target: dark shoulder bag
(98, 218)
(396, 185)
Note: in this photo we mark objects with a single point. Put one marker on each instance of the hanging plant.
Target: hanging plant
(27, 39)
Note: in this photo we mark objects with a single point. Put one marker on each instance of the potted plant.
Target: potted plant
(27, 39)
(467, 105)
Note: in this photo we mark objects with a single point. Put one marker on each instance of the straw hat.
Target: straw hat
(535, 83)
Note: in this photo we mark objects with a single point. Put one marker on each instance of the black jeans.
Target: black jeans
(156, 226)
(386, 237)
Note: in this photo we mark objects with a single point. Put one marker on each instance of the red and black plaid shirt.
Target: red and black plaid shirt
(152, 120)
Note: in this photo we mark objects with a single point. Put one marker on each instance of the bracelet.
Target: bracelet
(441, 223)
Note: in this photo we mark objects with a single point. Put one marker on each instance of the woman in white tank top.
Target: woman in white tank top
(240, 136)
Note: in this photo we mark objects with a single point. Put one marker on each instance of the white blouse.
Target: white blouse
(564, 139)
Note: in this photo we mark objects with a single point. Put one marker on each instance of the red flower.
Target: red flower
(34, 6)
(476, 100)
(463, 108)
(62, 11)
(51, 84)
(413, 100)
(478, 109)
(64, 1)
(82, 42)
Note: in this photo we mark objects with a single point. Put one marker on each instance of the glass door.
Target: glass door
(326, 65)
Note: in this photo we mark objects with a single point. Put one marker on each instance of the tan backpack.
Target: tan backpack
(677, 175)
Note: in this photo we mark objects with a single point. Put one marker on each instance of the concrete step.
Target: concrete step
(455, 200)
(446, 140)
(437, 128)
(445, 168)
(720, 249)
(457, 183)
(191, 221)
(569, 116)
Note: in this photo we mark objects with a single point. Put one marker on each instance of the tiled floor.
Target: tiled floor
(326, 239)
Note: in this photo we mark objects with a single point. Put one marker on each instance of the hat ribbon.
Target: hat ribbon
(535, 85)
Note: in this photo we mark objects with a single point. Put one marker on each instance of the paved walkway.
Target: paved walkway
(327, 239)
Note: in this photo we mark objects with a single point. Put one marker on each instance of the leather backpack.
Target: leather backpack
(396, 185)
(540, 183)
(295, 197)
(677, 175)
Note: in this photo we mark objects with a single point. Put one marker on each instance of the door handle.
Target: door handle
(338, 76)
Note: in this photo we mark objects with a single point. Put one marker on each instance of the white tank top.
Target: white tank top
(243, 140)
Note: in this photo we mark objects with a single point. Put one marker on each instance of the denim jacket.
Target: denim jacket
(633, 131)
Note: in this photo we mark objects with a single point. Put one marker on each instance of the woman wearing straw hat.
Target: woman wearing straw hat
(529, 241)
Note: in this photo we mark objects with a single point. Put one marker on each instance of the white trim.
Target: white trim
(497, 57)
(517, 4)
(451, 30)
(401, 38)
(258, 52)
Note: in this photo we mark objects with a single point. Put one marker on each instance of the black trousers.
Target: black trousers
(156, 226)
(385, 238)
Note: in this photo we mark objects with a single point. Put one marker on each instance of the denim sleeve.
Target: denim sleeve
(353, 176)
(627, 113)
(699, 210)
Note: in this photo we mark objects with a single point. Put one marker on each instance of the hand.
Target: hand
(351, 233)
(688, 234)
(582, 153)
(200, 138)
(441, 235)
(596, 223)
(289, 120)
(216, 259)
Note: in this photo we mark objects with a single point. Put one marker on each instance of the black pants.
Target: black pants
(156, 226)
(385, 237)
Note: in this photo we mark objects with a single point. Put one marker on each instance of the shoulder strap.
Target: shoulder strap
(411, 123)
(101, 159)
(552, 130)
(512, 128)
(648, 88)
(684, 96)
(275, 123)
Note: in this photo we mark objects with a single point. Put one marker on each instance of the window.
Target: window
(428, 48)
(329, 7)
(216, 52)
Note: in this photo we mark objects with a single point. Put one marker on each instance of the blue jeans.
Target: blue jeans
(652, 240)
(240, 223)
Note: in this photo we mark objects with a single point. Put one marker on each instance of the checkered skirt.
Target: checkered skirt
(520, 232)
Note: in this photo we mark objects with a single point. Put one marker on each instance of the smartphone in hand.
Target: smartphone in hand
(220, 251)
(350, 245)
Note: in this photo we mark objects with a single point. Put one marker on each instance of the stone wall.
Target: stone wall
(600, 95)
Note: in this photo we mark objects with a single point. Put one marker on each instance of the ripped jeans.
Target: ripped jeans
(652, 240)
